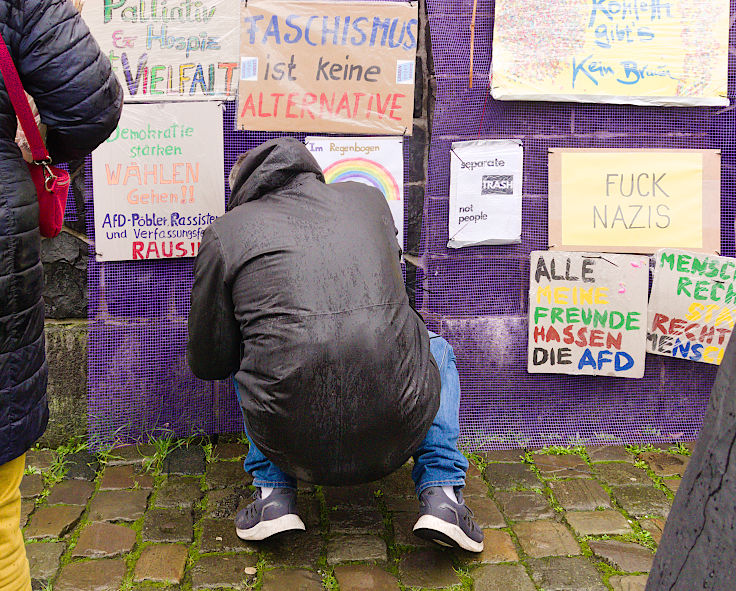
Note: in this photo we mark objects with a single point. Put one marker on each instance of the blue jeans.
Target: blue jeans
(437, 462)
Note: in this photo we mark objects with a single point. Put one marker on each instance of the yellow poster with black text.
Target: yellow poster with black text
(330, 67)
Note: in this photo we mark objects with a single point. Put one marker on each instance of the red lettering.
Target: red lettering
(278, 96)
(152, 249)
(138, 250)
(539, 334)
(394, 107)
(381, 109)
(658, 323)
(614, 342)
(305, 105)
(569, 338)
(596, 338)
(676, 326)
(289, 103)
(552, 334)
(249, 105)
(260, 107)
(344, 105)
(582, 340)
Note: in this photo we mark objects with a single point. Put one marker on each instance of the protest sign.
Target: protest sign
(485, 192)
(587, 313)
(641, 52)
(169, 49)
(619, 200)
(158, 181)
(374, 161)
(692, 307)
(336, 67)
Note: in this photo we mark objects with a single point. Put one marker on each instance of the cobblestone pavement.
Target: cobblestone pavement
(159, 517)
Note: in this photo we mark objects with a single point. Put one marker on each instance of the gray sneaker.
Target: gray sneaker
(446, 522)
(264, 518)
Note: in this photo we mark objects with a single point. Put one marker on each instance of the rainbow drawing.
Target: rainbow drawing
(364, 171)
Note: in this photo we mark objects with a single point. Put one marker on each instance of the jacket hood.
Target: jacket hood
(271, 166)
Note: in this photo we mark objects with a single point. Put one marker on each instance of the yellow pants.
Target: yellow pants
(14, 574)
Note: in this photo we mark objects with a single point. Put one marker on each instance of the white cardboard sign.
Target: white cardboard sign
(158, 181)
(587, 313)
(485, 192)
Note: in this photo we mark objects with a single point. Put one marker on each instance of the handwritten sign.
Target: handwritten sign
(587, 314)
(169, 49)
(485, 192)
(641, 52)
(156, 189)
(374, 161)
(634, 200)
(692, 308)
(339, 67)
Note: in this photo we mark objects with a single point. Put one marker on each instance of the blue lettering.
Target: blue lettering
(273, 31)
(627, 363)
(357, 29)
(580, 67)
(253, 29)
(292, 37)
(306, 31)
(587, 359)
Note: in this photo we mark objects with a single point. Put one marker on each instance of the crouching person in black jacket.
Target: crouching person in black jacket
(298, 292)
(79, 99)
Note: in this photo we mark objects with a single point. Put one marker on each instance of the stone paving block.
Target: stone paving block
(295, 549)
(361, 495)
(185, 461)
(71, 492)
(654, 527)
(125, 476)
(609, 453)
(40, 459)
(289, 579)
(31, 485)
(502, 577)
(224, 503)
(497, 547)
(673, 484)
(212, 572)
(43, 558)
(364, 577)
(524, 505)
(178, 492)
(403, 531)
(622, 474)
(566, 574)
(26, 508)
(226, 475)
(355, 521)
(511, 476)
(134, 454)
(218, 535)
(628, 582)
(118, 505)
(397, 484)
(486, 513)
(640, 501)
(623, 556)
(503, 455)
(354, 547)
(665, 464)
(310, 511)
(168, 525)
(229, 451)
(545, 538)
(81, 465)
(596, 523)
(580, 494)
(474, 487)
(430, 569)
(162, 563)
(562, 466)
(402, 505)
(155, 587)
(53, 522)
(104, 540)
(92, 575)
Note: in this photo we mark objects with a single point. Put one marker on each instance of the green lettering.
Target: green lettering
(539, 313)
(600, 318)
(108, 7)
(682, 284)
(556, 315)
(683, 261)
(669, 259)
(699, 266)
(587, 315)
(701, 288)
(632, 320)
(572, 315)
(618, 323)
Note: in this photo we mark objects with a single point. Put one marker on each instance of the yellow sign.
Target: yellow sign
(634, 200)
(644, 52)
(337, 67)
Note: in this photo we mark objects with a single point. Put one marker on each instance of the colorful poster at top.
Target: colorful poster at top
(587, 313)
(169, 50)
(692, 308)
(637, 201)
(639, 52)
(327, 67)
(374, 161)
(155, 188)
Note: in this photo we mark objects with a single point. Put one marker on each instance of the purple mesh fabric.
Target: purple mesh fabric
(477, 297)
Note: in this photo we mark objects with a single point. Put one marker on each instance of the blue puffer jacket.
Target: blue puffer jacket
(80, 100)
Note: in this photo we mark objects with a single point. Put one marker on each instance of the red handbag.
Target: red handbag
(52, 183)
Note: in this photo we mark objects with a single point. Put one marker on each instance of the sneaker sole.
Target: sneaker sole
(436, 530)
(266, 529)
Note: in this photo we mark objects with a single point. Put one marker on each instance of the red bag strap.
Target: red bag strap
(20, 103)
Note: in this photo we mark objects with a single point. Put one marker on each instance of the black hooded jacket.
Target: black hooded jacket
(79, 98)
(337, 382)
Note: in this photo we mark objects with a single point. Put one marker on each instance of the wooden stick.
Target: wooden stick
(472, 41)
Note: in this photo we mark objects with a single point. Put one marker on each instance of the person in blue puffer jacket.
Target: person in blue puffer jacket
(80, 100)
